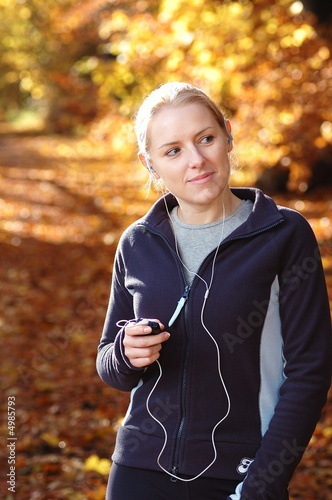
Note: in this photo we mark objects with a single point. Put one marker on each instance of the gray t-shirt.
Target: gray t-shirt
(195, 242)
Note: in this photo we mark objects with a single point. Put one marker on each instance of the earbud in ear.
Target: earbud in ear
(228, 129)
(146, 162)
(148, 165)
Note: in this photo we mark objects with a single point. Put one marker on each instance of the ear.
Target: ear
(146, 163)
(228, 129)
(229, 135)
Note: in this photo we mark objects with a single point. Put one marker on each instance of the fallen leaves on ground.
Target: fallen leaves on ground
(64, 203)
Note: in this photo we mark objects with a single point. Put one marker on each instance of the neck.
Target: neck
(198, 215)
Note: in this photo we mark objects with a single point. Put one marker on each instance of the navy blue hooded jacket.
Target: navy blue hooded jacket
(268, 312)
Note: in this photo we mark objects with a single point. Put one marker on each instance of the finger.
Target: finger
(142, 352)
(141, 341)
(155, 324)
(144, 362)
(143, 357)
(134, 329)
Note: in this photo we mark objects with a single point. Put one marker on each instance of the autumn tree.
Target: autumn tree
(86, 65)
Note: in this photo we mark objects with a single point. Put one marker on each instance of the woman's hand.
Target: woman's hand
(141, 348)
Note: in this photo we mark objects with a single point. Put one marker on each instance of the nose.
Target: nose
(195, 158)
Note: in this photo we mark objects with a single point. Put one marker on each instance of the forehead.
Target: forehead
(175, 121)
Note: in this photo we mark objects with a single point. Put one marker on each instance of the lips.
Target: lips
(201, 178)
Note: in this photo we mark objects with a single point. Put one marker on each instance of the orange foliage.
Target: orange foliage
(83, 66)
(64, 203)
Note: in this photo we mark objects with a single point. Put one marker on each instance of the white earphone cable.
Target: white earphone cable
(206, 295)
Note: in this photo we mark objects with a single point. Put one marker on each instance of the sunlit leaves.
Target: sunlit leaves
(265, 63)
(64, 203)
(296, 8)
(100, 465)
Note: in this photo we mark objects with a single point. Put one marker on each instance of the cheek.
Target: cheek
(169, 174)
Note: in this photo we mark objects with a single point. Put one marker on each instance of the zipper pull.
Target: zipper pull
(180, 305)
(174, 473)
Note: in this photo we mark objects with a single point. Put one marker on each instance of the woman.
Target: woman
(225, 398)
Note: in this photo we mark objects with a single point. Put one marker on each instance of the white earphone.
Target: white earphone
(228, 129)
(148, 165)
(219, 369)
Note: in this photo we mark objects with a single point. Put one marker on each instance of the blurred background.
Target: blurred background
(72, 75)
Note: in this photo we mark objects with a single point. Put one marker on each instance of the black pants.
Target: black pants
(128, 483)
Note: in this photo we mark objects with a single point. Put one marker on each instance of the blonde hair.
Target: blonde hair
(172, 93)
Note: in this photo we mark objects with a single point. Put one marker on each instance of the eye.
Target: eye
(172, 152)
(207, 139)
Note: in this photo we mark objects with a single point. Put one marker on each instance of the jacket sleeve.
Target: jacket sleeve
(113, 367)
(306, 330)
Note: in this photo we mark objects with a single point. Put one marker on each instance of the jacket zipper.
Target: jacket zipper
(183, 404)
(183, 303)
(185, 295)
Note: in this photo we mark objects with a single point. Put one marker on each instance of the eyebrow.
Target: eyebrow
(176, 142)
